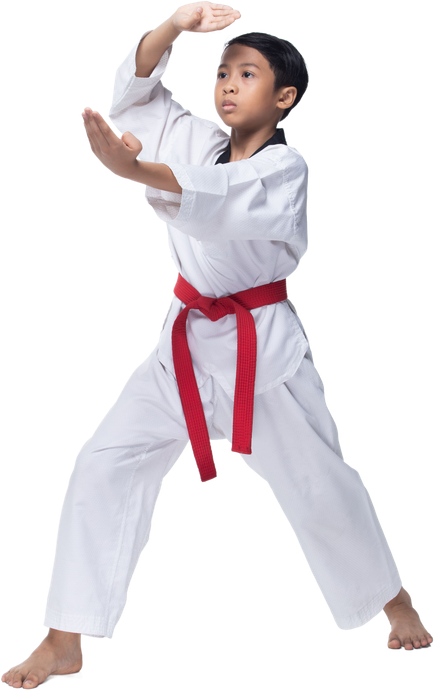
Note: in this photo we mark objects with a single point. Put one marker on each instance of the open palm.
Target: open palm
(213, 18)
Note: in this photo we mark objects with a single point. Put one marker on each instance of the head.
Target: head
(264, 76)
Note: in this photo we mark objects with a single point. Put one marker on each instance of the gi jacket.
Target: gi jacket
(234, 226)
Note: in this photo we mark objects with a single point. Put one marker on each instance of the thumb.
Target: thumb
(132, 142)
(196, 16)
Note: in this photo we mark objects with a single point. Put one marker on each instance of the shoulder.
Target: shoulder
(291, 165)
(209, 139)
(281, 160)
(281, 155)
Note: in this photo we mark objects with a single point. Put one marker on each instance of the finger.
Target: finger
(85, 116)
(95, 136)
(223, 22)
(107, 140)
(131, 142)
(221, 8)
(105, 129)
(220, 16)
(97, 125)
(91, 135)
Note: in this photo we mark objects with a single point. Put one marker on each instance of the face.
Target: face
(246, 78)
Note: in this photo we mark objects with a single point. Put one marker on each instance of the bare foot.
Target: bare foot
(58, 653)
(407, 629)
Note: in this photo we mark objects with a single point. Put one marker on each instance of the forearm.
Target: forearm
(157, 175)
(152, 47)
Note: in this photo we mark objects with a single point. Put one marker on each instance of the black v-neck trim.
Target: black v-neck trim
(277, 138)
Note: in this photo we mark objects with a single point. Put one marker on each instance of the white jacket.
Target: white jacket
(234, 226)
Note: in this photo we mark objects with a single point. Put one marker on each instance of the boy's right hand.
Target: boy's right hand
(212, 18)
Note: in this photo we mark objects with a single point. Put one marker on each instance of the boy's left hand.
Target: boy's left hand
(118, 155)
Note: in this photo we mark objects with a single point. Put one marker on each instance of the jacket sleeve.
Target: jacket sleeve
(259, 198)
(144, 107)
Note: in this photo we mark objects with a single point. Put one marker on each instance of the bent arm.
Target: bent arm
(157, 175)
(153, 46)
(263, 198)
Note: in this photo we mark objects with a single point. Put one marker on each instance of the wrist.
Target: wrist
(157, 175)
(173, 27)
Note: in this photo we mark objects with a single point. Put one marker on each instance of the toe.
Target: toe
(416, 642)
(31, 681)
(408, 644)
(423, 640)
(13, 680)
(394, 643)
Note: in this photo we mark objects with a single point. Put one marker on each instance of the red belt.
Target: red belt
(215, 308)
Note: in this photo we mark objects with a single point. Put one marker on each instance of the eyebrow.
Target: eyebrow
(241, 64)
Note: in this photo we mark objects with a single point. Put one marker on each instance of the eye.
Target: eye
(220, 74)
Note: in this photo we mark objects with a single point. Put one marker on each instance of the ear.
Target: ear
(287, 97)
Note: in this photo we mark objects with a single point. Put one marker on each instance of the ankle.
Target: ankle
(62, 637)
(401, 601)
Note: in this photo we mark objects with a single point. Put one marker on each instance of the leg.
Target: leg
(106, 518)
(296, 450)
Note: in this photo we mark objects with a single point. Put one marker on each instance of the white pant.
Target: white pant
(107, 511)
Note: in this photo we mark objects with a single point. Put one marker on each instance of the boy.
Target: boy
(236, 213)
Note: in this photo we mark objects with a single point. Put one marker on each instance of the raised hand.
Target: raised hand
(118, 155)
(212, 18)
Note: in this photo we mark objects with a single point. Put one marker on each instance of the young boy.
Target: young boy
(235, 208)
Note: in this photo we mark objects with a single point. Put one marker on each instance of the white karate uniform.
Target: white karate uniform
(235, 226)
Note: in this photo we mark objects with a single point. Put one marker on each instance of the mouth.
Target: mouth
(229, 106)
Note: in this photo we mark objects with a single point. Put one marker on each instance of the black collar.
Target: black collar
(277, 138)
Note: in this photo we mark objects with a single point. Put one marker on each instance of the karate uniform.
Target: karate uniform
(236, 225)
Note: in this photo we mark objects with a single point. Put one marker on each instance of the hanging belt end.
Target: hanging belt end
(237, 448)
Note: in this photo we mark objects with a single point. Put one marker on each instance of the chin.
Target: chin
(221, 117)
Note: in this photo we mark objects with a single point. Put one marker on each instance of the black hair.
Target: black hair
(284, 59)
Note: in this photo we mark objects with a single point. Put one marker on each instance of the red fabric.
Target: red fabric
(215, 308)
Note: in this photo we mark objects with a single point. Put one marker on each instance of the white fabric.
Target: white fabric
(258, 237)
(235, 226)
(107, 512)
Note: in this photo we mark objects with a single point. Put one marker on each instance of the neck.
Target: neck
(244, 144)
